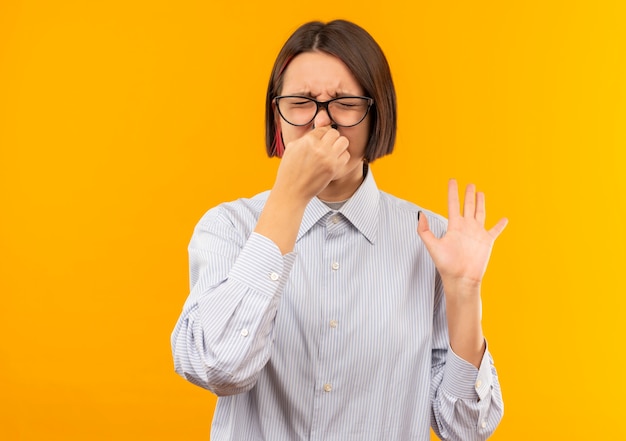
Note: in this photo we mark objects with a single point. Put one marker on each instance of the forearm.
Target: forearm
(281, 218)
(464, 312)
(466, 398)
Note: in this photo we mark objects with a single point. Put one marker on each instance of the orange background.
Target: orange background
(122, 122)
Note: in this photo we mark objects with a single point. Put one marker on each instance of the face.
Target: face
(323, 77)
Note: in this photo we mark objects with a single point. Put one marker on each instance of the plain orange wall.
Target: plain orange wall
(122, 122)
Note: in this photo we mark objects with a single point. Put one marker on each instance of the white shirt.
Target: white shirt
(345, 339)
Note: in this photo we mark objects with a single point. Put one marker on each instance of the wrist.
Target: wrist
(461, 288)
(290, 197)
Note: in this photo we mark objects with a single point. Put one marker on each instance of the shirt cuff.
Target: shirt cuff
(261, 266)
(461, 378)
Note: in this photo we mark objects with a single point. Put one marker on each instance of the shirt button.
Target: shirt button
(335, 266)
(483, 424)
(333, 323)
(478, 384)
(244, 332)
(328, 387)
(334, 219)
(274, 276)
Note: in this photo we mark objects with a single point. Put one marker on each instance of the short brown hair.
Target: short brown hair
(365, 59)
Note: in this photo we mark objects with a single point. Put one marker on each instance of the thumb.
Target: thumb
(424, 232)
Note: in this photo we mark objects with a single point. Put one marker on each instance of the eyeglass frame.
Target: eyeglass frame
(323, 105)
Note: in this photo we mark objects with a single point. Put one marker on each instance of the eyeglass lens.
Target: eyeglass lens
(346, 111)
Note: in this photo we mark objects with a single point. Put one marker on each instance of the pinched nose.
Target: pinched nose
(322, 119)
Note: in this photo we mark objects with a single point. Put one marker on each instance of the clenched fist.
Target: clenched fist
(311, 162)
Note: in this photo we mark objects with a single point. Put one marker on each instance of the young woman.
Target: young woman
(326, 309)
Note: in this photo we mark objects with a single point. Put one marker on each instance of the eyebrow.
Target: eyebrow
(310, 95)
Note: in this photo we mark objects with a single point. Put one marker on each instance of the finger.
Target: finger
(340, 145)
(454, 208)
(423, 230)
(469, 207)
(480, 208)
(330, 135)
(498, 228)
(344, 157)
(319, 132)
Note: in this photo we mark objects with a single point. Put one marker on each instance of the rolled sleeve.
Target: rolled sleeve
(224, 336)
(261, 266)
(461, 378)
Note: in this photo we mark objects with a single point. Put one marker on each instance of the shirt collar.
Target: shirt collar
(361, 210)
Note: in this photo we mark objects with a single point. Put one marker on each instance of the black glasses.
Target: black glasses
(344, 111)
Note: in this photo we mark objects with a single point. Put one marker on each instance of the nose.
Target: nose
(322, 119)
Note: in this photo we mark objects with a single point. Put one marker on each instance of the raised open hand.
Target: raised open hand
(462, 254)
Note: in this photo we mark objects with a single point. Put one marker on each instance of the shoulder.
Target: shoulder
(240, 215)
(395, 209)
(238, 208)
